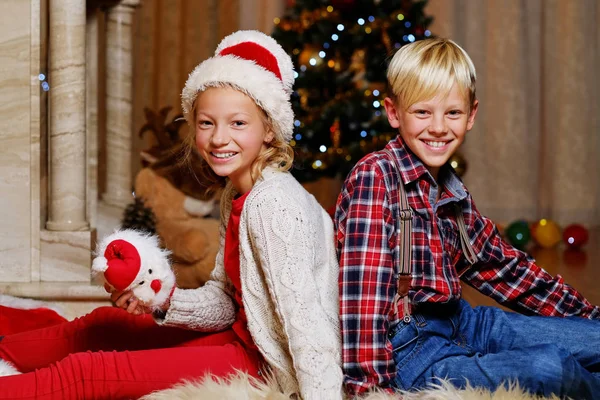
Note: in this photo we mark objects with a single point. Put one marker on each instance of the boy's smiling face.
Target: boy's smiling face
(433, 129)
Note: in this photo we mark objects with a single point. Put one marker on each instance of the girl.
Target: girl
(272, 299)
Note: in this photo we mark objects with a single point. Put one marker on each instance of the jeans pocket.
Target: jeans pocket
(405, 340)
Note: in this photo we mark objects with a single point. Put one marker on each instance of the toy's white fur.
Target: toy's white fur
(7, 369)
(152, 257)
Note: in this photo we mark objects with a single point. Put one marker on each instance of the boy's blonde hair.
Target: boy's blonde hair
(279, 153)
(427, 68)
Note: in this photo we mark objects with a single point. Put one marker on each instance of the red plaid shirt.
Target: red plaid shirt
(367, 244)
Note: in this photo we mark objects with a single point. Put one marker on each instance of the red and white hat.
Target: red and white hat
(255, 64)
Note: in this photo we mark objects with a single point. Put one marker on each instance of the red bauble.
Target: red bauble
(575, 236)
(343, 5)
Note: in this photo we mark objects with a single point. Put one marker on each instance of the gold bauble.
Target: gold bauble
(310, 52)
(303, 93)
(546, 233)
(459, 164)
(338, 63)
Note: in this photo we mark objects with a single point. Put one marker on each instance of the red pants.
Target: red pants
(110, 354)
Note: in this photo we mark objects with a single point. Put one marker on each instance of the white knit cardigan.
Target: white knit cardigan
(289, 275)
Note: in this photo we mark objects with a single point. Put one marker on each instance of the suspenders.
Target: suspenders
(405, 267)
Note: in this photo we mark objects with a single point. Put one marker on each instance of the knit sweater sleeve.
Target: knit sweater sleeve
(286, 238)
(208, 308)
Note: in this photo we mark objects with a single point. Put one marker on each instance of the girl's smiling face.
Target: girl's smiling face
(230, 134)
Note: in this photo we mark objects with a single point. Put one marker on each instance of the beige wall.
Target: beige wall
(19, 137)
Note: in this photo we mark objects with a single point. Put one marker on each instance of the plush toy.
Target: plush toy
(182, 227)
(132, 260)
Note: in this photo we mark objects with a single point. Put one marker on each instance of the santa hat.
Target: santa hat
(255, 64)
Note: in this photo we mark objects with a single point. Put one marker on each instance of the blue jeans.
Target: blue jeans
(488, 347)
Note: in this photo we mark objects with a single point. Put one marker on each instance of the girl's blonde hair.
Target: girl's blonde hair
(427, 68)
(279, 154)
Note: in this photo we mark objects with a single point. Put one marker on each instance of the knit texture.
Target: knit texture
(289, 273)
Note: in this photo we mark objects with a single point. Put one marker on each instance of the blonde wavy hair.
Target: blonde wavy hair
(279, 154)
(427, 68)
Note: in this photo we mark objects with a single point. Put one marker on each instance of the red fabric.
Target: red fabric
(15, 320)
(111, 354)
(254, 52)
(232, 268)
(123, 263)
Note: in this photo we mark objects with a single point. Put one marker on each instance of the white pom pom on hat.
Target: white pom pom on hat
(255, 64)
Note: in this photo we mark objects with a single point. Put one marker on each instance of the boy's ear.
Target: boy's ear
(392, 115)
(472, 115)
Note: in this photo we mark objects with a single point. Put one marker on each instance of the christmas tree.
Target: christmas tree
(340, 50)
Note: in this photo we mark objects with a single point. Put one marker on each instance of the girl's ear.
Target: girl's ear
(392, 115)
(269, 136)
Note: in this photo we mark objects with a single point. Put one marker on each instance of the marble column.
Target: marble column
(92, 114)
(119, 93)
(67, 186)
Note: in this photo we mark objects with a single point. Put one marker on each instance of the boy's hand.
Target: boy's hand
(127, 301)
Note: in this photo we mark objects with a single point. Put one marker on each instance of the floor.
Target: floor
(580, 269)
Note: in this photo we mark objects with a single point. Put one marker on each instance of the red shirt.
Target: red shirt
(232, 269)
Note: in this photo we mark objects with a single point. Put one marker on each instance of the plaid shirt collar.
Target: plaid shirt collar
(413, 169)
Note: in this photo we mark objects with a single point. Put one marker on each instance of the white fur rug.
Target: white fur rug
(28, 304)
(242, 387)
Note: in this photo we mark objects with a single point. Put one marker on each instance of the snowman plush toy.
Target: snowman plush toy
(133, 260)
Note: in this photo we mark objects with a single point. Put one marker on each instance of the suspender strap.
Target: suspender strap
(405, 267)
(465, 242)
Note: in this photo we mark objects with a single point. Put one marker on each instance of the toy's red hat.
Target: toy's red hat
(123, 264)
(255, 64)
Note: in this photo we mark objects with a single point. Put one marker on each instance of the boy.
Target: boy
(397, 341)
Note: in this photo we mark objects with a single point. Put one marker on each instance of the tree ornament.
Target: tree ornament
(518, 234)
(359, 69)
(575, 236)
(338, 63)
(458, 162)
(343, 5)
(335, 133)
(309, 56)
(139, 217)
(546, 233)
